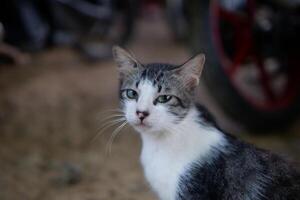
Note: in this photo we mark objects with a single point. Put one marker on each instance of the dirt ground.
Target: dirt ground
(51, 110)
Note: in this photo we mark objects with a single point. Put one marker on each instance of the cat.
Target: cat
(185, 155)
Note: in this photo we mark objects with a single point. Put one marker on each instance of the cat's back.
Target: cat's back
(285, 178)
(243, 172)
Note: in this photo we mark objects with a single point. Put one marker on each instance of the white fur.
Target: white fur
(165, 157)
(169, 148)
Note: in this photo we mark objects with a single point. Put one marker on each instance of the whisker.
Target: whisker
(112, 111)
(107, 125)
(110, 120)
(111, 117)
(113, 136)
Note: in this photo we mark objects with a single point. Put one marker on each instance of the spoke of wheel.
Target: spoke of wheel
(243, 51)
(264, 79)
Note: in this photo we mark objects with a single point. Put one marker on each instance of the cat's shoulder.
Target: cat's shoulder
(205, 116)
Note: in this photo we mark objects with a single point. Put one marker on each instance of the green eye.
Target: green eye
(131, 94)
(163, 98)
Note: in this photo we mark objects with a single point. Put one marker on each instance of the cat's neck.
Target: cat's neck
(165, 156)
(190, 137)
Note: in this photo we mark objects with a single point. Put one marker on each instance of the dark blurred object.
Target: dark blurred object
(97, 24)
(175, 13)
(177, 18)
(253, 57)
(32, 25)
(9, 54)
(66, 174)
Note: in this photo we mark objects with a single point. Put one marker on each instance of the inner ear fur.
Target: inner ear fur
(190, 72)
(126, 61)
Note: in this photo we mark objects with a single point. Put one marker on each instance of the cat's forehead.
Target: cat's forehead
(159, 75)
(156, 72)
(147, 87)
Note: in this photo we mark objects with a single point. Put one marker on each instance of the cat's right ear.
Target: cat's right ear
(125, 61)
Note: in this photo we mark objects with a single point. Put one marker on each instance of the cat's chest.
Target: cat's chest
(163, 170)
(165, 159)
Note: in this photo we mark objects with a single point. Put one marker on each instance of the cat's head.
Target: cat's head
(154, 97)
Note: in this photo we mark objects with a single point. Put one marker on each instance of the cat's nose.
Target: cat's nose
(142, 114)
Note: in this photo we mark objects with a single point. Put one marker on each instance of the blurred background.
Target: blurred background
(58, 84)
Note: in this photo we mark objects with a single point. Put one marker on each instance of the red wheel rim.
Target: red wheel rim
(244, 52)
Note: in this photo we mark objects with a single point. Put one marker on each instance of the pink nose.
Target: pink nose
(142, 114)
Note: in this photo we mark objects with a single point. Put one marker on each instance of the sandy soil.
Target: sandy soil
(50, 111)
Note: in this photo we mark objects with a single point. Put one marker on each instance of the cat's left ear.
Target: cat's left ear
(190, 71)
(126, 61)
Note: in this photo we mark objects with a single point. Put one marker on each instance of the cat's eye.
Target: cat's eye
(163, 98)
(131, 94)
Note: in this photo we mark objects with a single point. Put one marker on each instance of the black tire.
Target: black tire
(235, 106)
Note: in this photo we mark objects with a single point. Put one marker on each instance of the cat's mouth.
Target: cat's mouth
(142, 125)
